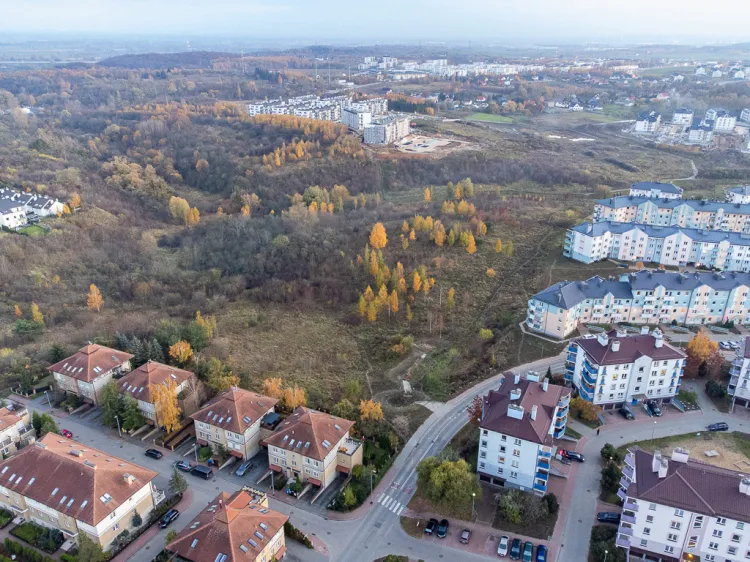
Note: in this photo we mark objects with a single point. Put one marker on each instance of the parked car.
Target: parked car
(608, 517)
(720, 426)
(724, 345)
(502, 546)
(541, 553)
(528, 551)
(627, 414)
(202, 472)
(572, 455)
(515, 549)
(154, 453)
(442, 529)
(465, 536)
(431, 526)
(244, 467)
(168, 517)
(653, 409)
(66, 433)
(734, 344)
(184, 466)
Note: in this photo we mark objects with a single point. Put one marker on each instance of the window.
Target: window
(501, 460)
(644, 542)
(514, 464)
(482, 454)
(718, 533)
(740, 525)
(649, 519)
(698, 523)
(502, 438)
(736, 538)
(499, 470)
(713, 546)
(502, 448)
(692, 541)
(481, 465)
(514, 475)
(517, 442)
(671, 537)
(484, 443)
(731, 550)
(676, 525)
(721, 520)
(679, 513)
(647, 531)
(669, 549)
(116, 526)
(484, 432)
(652, 507)
(516, 452)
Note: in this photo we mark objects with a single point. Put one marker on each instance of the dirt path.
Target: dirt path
(695, 173)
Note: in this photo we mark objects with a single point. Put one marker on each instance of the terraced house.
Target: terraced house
(233, 420)
(644, 297)
(62, 484)
(86, 373)
(313, 447)
(138, 384)
(15, 428)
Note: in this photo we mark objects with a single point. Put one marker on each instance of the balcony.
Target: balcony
(629, 472)
(627, 519)
(571, 358)
(624, 482)
(622, 495)
(540, 487)
(625, 531)
(545, 454)
(586, 394)
(564, 401)
(542, 465)
(586, 376)
(622, 542)
(630, 460)
(542, 476)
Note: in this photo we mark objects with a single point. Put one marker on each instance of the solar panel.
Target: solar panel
(194, 543)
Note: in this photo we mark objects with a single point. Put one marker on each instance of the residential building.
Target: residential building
(520, 422)
(615, 369)
(86, 373)
(236, 527)
(680, 509)
(12, 213)
(643, 297)
(739, 194)
(233, 420)
(62, 484)
(138, 384)
(701, 132)
(683, 116)
(724, 122)
(685, 213)
(15, 428)
(17, 208)
(711, 114)
(386, 129)
(739, 373)
(313, 447)
(700, 71)
(655, 189)
(375, 106)
(663, 245)
(745, 115)
(648, 122)
(356, 119)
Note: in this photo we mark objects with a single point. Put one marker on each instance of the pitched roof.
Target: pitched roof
(235, 409)
(73, 478)
(631, 348)
(310, 433)
(622, 201)
(567, 294)
(137, 383)
(655, 231)
(237, 526)
(90, 362)
(741, 189)
(656, 186)
(693, 486)
(495, 409)
(10, 416)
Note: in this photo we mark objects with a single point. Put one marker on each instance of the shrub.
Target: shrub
(688, 397)
(553, 506)
(295, 534)
(609, 452)
(137, 519)
(715, 389)
(5, 517)
(205, 453)
(485, 334)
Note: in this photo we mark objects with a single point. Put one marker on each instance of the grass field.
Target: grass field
(32, 230)
(489, 118)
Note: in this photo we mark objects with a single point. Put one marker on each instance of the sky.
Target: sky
(358, 21)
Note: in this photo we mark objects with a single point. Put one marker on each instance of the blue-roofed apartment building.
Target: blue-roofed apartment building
(655, 189)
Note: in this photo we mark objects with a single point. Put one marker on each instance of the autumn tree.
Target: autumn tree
(450, 302)
(17, 311)
(181, 352)
(370, 410)
(294, 397)
(378, 236)
(475, 411)
(498, 246)
(362, 306)
(94, 301)
(491, 272)
(36, 314)
(699, 350)
(273, 388)
(164, 397)
(508, 248)
(75, 201)
(179, 209)
(394, 301)
(427, 195)
(471, 246)
(405, 227)
(416, 283)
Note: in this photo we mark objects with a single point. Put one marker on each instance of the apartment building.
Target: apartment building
(16, 208)
(648, 122)
(520, 422)
(682, 117)
(617, 369)
(724, 122)
(375, 106)
(701, 132)
(644, 297)
(356, 119)
(745, 115)
(138, 384)
(86, 373)
(739, 194)
(386, 129)
(62, 484)
(679, 509)
(658, 190)
(314, 447)
(15, 428)
(236, 527)
(739, 373)
(664, 245)
(685, 213)
(233, 419)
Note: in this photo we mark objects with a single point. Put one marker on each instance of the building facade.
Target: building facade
(233, 420)
(17, 208)
(679, 509)
(648, 122)
(663, 245)
(520, 423)
(644, 297)
(61, 484)
(386, 130)
(15, 428)
(724, 122)
(739, 373)
(138, 384)
(655, 189)
(614, 369)
(86, 373)
(682, 117)
(313, 447)
(739, 194)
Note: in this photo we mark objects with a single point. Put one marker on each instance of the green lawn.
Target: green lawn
(32, 230)
(489, 118)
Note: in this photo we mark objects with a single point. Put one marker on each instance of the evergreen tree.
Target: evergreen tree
(177, 484)
(155, 351)
(132, 418)
(136, 348)
(121, 341)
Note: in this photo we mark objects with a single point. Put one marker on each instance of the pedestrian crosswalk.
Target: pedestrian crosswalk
(391, 504)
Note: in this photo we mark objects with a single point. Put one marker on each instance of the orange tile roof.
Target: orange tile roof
(235, 410)
(310, 433)
(237, 526)
(90, 362)
(72, 478)
(137, 383)
(9, 418)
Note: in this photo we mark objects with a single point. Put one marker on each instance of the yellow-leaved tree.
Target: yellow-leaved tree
(378, 236)
(370, 410)
(273, 388)
(94, 301)
(294, 397)
(36, 314)
(164, 397)
(181, 353)
(498, 246)
(427, 195)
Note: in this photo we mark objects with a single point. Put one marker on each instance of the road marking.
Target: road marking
(400, 510)
(395, 506)
(387, 504)
(380, 499)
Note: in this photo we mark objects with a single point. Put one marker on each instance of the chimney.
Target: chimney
(656, 461)
(516, 378)
(616, 346)
(745, 486)
(515, 394)
(515, 412)
(545, 385)
(129, 478)
(680, 455)
(644, 330)
(603, 339)
(221, 504)
(663, 467)
(658, 341)
(532, 376)
(533, 412)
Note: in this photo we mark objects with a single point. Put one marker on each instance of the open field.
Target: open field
(489, 118)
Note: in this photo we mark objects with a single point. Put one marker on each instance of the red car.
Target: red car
(67, 433)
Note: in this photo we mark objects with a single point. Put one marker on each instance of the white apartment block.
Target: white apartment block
(310, 106)
(663, 245)
(655, 189)
(701, 133)
(386, 130)
(679, 509)
(724, 122)
(685, 213)
(356, 119)
(616, 369)
(739, 382)
(682, 117)
(375, 106)
(518, 430)
(644, 297)
(17, 208)
(739, 194)
(648, 122)
(745, 115)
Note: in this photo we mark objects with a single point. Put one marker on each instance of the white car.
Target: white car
(502, 546)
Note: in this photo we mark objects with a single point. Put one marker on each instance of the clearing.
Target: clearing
(490, 118)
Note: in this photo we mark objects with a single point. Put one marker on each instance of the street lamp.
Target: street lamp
(473, 498)
(605, 555)
(373, 471)
(653, 431)
(119, 431)
(48, 400)
(273, 486)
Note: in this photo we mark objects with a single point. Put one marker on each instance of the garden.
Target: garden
(526, 514)
(5, 517)
(48, 540)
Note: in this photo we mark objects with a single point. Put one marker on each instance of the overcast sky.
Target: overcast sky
(499, 21)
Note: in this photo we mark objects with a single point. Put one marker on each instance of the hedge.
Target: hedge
(296, 535)
(24, 553)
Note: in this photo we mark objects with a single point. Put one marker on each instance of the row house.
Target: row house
(16, 430)
(655, 189)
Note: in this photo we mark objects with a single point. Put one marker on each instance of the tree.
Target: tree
(378, 237)
(218, 375)
(179, 209)
(194, 217)
(370, 410)
(111, 404)
(586, 410)
(181, 353)
(699, 349)
(475, 411)
(611, 475)
(348, 497)
(394, 301)
(137, 519)
(88, 550)
(508, 249)
(490, 272)
(48, 425)
(94, 301)
(345, 409)
(170, 536)
(273, 388)
(177, 483)
(498, 246)
(509, 508)
(405, 227)
(132, 417)
(164, 396)
(294, 397)
(36, 314)
(362, 306)
(416, 283)
(36, 422)
(450, 302)
(447, 482)
(17, 311)
(427, 195)
(75, 201)
(471, 246)
(611, 454)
